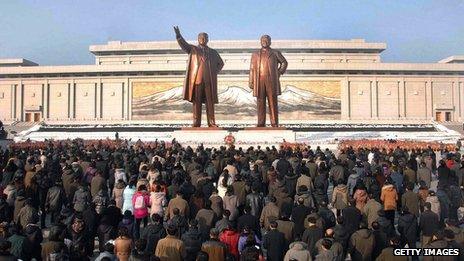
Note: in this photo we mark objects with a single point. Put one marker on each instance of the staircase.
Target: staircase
(19, 126)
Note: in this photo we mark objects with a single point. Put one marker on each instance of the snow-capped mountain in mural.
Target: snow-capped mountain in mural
(237, 100)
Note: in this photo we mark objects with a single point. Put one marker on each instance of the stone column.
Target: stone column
(345, 99)
(20, 102)
(429, 99)
(402, 99)
(375, 99)
(98, 99)
(456, 103)
(13, 102)
(72, 104)
(129, 99)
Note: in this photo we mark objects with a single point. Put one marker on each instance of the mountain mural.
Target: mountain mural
(239, 103)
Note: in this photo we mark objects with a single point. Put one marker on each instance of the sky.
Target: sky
(59, 32)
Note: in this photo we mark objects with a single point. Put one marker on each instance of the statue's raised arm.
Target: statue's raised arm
(181, 41)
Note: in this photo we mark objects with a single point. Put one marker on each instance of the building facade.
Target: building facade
(142, 81)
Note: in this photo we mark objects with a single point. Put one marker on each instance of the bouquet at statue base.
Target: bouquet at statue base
(229, 139)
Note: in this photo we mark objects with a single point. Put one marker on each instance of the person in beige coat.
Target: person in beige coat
(179, 203)
(170, 248)
(270, 212)
(231, 203)
(370, 211)
(340, 198)
(123, 244)
(298, 251)
(118, 193)
(306, 180)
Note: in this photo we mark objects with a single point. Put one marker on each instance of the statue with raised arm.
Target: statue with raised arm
(200, 84)
(266, 67)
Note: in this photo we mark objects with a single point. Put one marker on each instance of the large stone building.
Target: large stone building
(142, 81)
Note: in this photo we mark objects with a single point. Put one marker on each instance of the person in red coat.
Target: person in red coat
(230, 237)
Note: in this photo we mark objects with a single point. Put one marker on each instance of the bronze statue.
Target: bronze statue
(200, 84)
(266, 67)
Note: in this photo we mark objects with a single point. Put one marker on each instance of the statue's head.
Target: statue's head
(203, 39)
(265, 41)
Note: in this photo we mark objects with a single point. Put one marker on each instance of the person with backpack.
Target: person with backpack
(141, 203)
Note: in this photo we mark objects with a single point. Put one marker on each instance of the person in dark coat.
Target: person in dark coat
(20, 247)
(283, 167)
(206, 219)
(5, 254)
(387, 253)
(321, 184)
(35, 238)
(55, 200)
(341, 234)
(152, 233)
(311, 235)
(428, 224)
(407, 226)
(192, 240)
(352, 217)
(224, 222)
(454, 194)
(299, 213)
(381, 239)
(362, 243)
(290, 183)
(250, 221)
(385, 224)
(327, 215)
(411, 200)
(438, 241)
(178, 221)
(274, 243)
(450, 237)
(81, 243)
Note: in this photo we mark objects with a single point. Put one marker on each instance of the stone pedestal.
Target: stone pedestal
(265, 128)
(264, 135)
(200, 135)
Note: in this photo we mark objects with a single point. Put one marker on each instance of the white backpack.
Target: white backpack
(139, 202)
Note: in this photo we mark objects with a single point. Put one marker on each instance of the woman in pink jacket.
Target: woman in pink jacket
(141, 203)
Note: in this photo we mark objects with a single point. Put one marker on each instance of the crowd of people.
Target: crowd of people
(114, 200)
